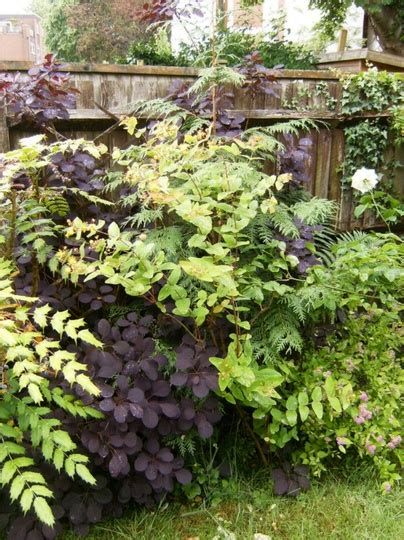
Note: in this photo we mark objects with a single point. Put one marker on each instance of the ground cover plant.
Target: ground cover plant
(149, 295)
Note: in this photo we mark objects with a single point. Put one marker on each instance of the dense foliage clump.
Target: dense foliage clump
(144, 299)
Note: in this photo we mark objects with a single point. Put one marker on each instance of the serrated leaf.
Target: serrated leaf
(7, 472)
(47, 449)
(58, 321)
(26, 500)
(88, 337)
(40, 314)
(32, 477)
(62, 439)
(70, 467)
(86, 383)
(58, 459)
(16, 487)
(43, 511)
(84, 473)
(43, 491)
(35, 393)
(72, 326)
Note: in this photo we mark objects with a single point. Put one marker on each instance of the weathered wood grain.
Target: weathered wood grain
(115, 88)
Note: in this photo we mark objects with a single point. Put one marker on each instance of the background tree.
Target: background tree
(385, 16)
(89, 30)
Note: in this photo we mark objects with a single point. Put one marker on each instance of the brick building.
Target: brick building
(21, 38)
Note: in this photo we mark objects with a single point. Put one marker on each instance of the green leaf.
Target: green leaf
(182, 306)
(17, 487)
(58, 459)
(291, 403)
(42, 490)
(47, 449)
(33, 477)
(85, 474)
(70, 467)
(317, 394)
(335, 404)
(40, 314)
(329, 386)
(113, 231)
(87, 384)
(303, 398)
(62, 439)
(26, 500)
(317, 407)
(35, 393)
(88, 337)
(43, 511)
(291, 417)
(304, 412)
(7, 472)
(58, 320)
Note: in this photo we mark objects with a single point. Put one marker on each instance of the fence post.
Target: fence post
(4, 131)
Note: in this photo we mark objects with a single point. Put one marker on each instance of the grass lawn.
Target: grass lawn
(346, 509)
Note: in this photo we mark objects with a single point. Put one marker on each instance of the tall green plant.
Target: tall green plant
(29, 361)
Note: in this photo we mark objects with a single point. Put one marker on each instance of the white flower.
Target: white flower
(35, 140)
(365, 180)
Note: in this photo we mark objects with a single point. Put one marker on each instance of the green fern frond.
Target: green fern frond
(315, 211)
(56, 204)
(282, 220)
(144, 217)
(213, 76)
(184, 444)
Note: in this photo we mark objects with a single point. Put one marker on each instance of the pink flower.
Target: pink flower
(387, 487)
(371, 448)
(380, 439)
(364, 412)
(364, 397)
(359, 420)
(341, 441)
(395, 441)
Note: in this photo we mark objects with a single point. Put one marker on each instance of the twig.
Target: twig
(253, 435)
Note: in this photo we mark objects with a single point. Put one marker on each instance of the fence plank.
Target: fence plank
(118, 87)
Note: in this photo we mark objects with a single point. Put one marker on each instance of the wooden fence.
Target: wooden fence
(299, 94)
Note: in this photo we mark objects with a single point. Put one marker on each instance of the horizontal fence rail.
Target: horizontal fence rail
(108, 92)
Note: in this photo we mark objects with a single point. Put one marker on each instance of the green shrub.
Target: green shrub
(342, 399)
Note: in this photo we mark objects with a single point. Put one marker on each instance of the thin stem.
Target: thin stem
(378, 211)
(253, 435)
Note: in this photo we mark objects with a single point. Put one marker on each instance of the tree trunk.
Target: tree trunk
(388, 26)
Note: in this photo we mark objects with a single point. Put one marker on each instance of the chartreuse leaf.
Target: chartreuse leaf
(7, 472)
(84, 473)
(86, 383)
(17, 487)
(58, 321)
(40, 315)
(89, 338)
(26, 500)
(43, 511)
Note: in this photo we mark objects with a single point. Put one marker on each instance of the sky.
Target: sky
(14, 7)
